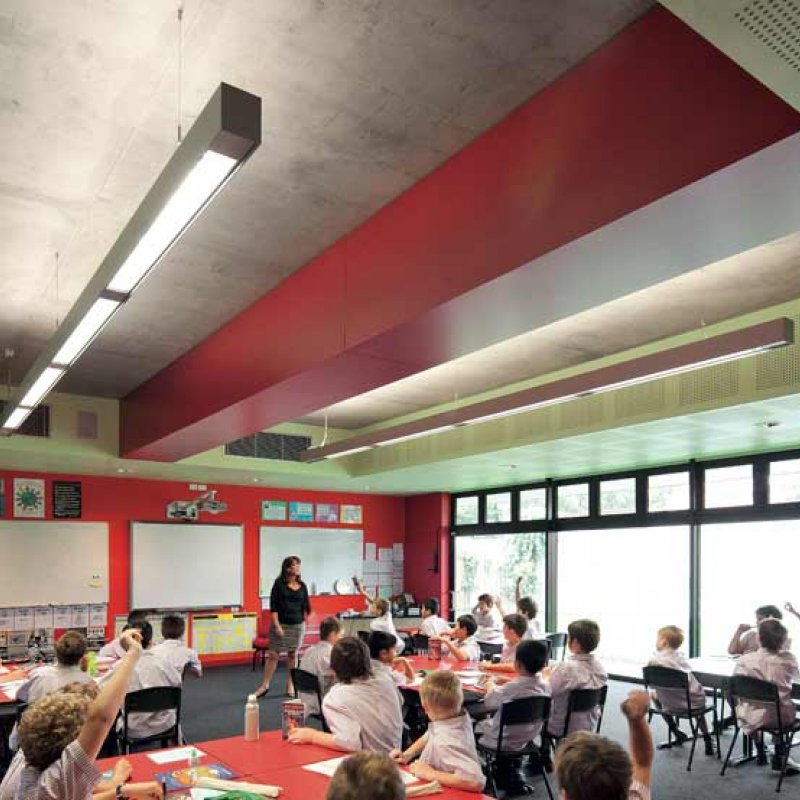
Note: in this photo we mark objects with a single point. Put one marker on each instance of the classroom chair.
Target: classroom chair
(582, 700)
(524, 711)
(308, 683)
(666, 678)
(261, 639)
(415, 720)
(488, 650)
(765, 694)
(558, 645)
(159, 698)
(419, 644)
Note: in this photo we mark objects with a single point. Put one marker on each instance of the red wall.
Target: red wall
(427, 548)
(120, 500)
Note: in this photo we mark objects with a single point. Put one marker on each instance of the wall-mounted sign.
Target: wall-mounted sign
(301, 512)
(67, 499)
(29, 498)
(273, 509)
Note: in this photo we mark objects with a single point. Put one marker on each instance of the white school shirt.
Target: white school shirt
(176, 653)
(317, 661)
(534, 630)
(450, 747)
(151, 671)
(433, 626)
(515, 737)
(8, 788)
(384, 623)
(490, 626)
(72, 777)
(579, 671)
(778, 668)
(365, 714)
(470, 644)
(749, 641)
(48, 679)
(112, 649)
(509, 653)
(399, 678)
(675, 699)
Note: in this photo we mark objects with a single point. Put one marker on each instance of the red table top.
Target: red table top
(269, 751)
(144, 768)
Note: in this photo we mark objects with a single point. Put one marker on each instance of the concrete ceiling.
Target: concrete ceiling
(361, 99)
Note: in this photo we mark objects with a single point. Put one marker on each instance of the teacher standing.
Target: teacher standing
(290, 608)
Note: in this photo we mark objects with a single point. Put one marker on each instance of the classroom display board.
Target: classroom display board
(186, 565)
(213, 634)
(53, 563)
(327, 555)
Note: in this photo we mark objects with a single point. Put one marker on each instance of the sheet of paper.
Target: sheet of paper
(370, 564)
(23, 618)
(80, 616)
(397, 549)
(370, 551)
(329, 767)
(175, 754)
(6, 619)
(43, 617)
(397, 585)
(97, 615)
(470, 673)
(62, 617)
(385, 554)
(11, 688)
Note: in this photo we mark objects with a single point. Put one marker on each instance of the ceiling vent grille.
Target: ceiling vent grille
(710, 384)
(779, 368)
(37, 423)
(776, 24)
(269, 446)
(649, 398)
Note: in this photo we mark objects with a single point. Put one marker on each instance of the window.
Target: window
(491, 563)
(498, 507)
(533, 504)
(466, 510)
(784, 481)
(573, 500)
(745, 565)
(618, 496)
(668, 492)
(631, 581)
(729, 486)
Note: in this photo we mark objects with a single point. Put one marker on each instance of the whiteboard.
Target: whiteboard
(327, 554)
(186, 565)
(60, 563)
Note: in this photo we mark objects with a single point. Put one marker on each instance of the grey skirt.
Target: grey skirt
(290, 641)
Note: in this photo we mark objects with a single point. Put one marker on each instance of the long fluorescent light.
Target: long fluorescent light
(702, 353)
(41, 386)
(16, 418)
(97, 316)
(224, 135)
(197, 189)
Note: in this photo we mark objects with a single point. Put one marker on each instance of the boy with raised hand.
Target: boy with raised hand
(432, 623)
(528, 608)
(383, 653)
(113, 649)
(61, 739)
(745, 637)
(515, 626)
(447, 751)
(591, 767)
(489, 620)
(461, 643)
(173, 650)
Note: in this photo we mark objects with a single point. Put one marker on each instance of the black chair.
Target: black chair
(20, 710)
(488, 650)
(159, 698)
(524, 711)
(309, 684)
(415, 720)
(580, 700)
(763, 694)
(419, 644)
(676, 679)
(558, 645)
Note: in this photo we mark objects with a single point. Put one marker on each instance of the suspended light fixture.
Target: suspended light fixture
(221, 139)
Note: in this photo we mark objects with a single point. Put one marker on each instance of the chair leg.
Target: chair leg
(717, 725)
(730, 750)
(693, 729)
(786, 745)
(547, 783)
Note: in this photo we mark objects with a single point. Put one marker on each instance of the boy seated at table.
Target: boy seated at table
(447, 751)
(581, 670)
(362, 709)
(173, 650)
(432, 623)
(60, 738)
(668, 654)
(366, 776)
(528, 608)
(461, 643)
(317, 661)
(113, 649)
(488, 619)
(774, 663)
(745, 637)
(592, 767)
(515, 626)
(383, 653)
(381, 609)
(70, 667)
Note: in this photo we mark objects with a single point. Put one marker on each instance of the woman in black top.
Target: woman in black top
(290, 608)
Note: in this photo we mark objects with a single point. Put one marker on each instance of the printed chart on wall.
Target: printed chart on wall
(223, 633)
(383, 569)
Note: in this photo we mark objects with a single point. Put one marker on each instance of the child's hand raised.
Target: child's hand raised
(636, 705)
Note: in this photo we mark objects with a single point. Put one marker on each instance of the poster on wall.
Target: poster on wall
(67, 499)
(301, 512)
(273, 509)
(351, 515)
(29, 498)
(327, 512)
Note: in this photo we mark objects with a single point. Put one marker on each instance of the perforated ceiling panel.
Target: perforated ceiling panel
(776, 25)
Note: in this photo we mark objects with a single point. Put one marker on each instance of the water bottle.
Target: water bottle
(251, 719)
(194, 763)
(91, 664)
